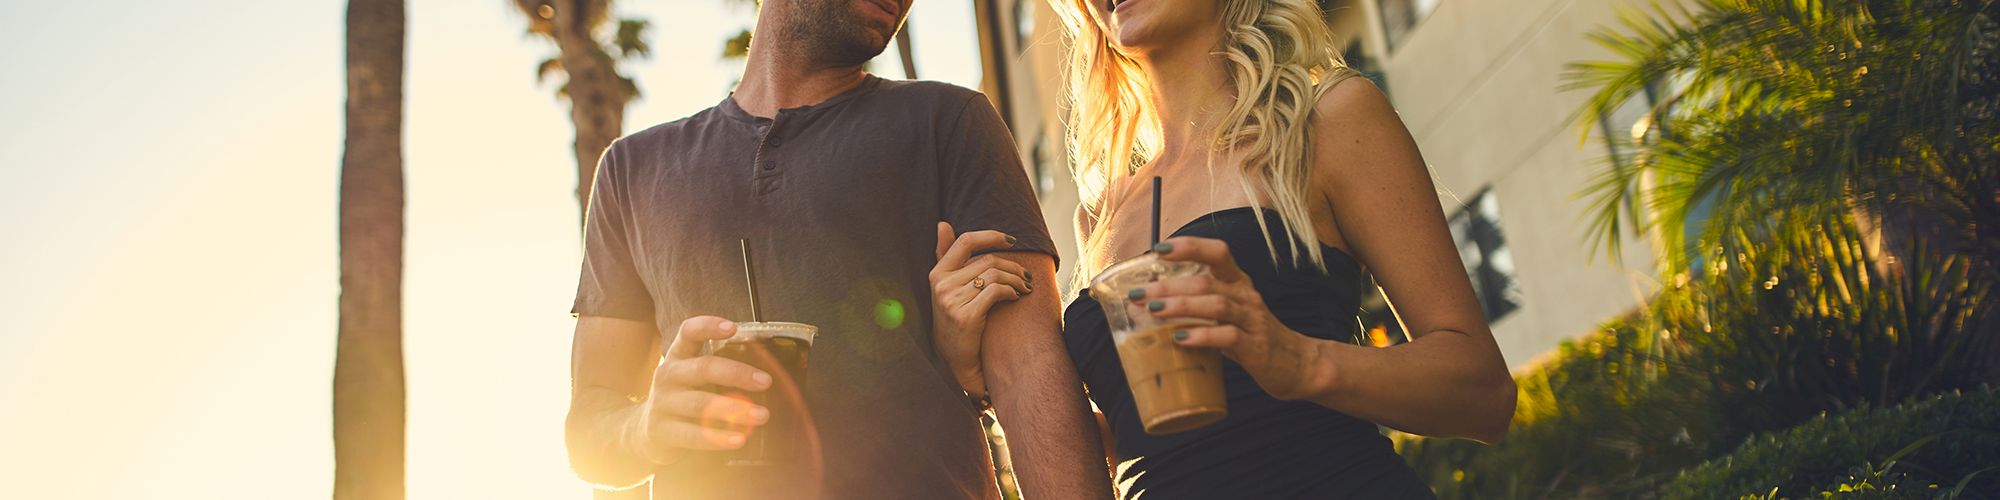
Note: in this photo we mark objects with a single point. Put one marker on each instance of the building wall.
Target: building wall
(1477, 84)
(1035, 74)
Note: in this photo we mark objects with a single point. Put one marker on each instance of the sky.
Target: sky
(168, 280)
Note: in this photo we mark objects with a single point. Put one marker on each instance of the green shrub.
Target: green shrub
(1593, 422)
(1768, 338)
(1782, 119)
(1939, 441)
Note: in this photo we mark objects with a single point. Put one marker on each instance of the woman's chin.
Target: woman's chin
(1134, 39)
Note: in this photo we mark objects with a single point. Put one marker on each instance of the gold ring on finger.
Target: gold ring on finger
(979, 283)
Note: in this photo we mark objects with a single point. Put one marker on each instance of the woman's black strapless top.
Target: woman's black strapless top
(1266, 448)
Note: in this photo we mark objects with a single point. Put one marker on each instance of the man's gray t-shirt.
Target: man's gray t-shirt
(840, 202)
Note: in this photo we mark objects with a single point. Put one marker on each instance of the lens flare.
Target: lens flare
(889, 314)
(726, 417)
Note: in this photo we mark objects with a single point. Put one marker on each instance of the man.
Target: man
(837, 180)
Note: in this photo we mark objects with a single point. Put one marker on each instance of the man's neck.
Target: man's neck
(1190, 89)
(774, 80)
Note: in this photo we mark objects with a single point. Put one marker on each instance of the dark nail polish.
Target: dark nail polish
(1136, 294)
(1180, 334)
(1030, 275)
(1029, 286)
(1163, 248)
(1011, 240)
(1156, 306)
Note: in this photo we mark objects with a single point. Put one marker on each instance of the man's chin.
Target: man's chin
(859, 53)
(879, 40)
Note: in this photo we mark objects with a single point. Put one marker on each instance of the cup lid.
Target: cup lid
(753, 330)
(1115, 280)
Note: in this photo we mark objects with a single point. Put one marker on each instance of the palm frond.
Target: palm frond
(631, 87)
(547, 67)
(630, 41)
(1798, 105)
(737, 47)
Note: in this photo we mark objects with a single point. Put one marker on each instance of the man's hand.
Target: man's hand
(680, 414)
(963, 290)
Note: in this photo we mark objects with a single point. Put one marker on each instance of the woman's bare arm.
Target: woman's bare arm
(1450, 379)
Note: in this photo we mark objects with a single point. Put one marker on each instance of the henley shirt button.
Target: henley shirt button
(773, 142)
(770, 165)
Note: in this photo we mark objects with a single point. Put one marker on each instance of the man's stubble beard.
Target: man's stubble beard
(827, 32)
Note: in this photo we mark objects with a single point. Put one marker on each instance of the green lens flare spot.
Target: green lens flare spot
(889, 314)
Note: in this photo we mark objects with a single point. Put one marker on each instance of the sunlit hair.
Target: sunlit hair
(1279, 56)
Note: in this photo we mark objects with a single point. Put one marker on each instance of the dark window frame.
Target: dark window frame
(1038, 165)
(1395, 35)
(1618, 141)
(1358, 60)
(1023, 33)
(1495, 278)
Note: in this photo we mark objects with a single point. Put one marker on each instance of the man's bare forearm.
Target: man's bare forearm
(1055, 449)
(598, 436)
(1039, 400)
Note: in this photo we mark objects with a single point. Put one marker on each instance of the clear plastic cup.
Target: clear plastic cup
(780, 349)
(1176, 388)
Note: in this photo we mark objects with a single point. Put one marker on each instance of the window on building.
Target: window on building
(1400, 17)
(1635, 123)
(1379, 326)
(1038, 166)
(1359, 60)
(1476, 228)
(1629, 125)
(1024, 24)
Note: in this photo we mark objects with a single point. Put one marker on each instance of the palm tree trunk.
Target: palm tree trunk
(597, 97)
(903, 51)
(597, 94)
(368, 404)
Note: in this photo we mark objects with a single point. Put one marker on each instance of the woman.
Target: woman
(1288, 179)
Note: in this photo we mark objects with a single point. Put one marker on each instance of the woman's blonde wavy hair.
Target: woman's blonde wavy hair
(1280, 57)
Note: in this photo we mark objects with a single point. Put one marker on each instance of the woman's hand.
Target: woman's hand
(1286, 363)
(963, 290)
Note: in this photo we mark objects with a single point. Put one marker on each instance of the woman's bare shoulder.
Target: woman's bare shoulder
(1355, 127)
(1350, 103)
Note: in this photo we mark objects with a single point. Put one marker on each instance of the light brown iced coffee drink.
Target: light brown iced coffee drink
(1176, 388)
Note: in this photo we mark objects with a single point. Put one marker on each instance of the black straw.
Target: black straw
(1156, 210)
(750, 280)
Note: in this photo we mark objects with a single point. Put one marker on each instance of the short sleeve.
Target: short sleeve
(610, 284)
(983, 183)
